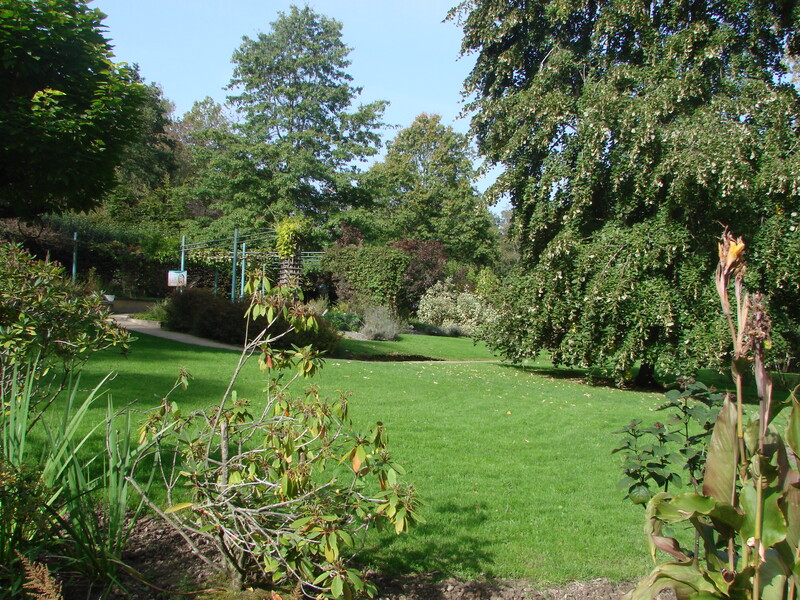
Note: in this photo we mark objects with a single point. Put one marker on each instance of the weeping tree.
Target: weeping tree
(627, 132)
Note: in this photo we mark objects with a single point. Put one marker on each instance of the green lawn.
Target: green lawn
(513, 463)
(428, 346)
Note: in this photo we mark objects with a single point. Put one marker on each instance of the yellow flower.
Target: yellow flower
(734, 250)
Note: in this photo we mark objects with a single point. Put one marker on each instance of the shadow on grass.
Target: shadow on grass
(430, 553)
(391, 357)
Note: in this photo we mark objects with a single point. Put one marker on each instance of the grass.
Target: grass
(513, 463)
(428, 346)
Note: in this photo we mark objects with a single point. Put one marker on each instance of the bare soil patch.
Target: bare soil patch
(165, 560)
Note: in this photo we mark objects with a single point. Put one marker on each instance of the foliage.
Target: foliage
(62, 102)
(343, 321)
(201, 313)
(157, 312)
(622, 133)
(289, 232)
(379, 323)
(46, 320)
(455, 311)
(150, 167)
(287, 490)
(39, 582)
(371, 273)
(426, 265)
(61, 514)
(298, 127)
(748, 512)
(423, 190)
(24, 526)
(656, 456)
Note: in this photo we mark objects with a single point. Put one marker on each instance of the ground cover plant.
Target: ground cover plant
(511, 462)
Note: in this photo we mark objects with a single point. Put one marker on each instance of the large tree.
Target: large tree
(295, 98)
(66, 111)
(629, 132)
(149, 168)
(424, 190)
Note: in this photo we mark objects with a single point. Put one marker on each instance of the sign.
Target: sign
(176, 278)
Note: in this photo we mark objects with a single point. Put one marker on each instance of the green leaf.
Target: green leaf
(336, 587)
(773, 524)
(684, 577)
(793, 427)
(720, 473)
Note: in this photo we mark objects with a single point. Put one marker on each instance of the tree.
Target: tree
(66, 111)
(149, 166)
(295, 98)
(424, 191)
(629, 132)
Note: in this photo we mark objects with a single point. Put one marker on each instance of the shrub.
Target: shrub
(426, 265)
(343, 321)
(42, 314)
(285, 493)
(199, 312)
(370, 272)
(380, 324)
(157, 312)
(455, 312)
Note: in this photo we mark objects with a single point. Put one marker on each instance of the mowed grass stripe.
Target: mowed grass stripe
(514, 465)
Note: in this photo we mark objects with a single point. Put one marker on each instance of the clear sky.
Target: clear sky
(403, 51)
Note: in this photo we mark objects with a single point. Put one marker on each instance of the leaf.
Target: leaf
(720, 473)
(773, 523)
(774, 573)
(337, 586)
(793, 427)
(176, 507)
(684, 576)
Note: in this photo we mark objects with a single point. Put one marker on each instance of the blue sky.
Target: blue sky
(402, 51)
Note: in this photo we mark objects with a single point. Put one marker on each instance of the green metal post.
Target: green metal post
(74, 256)
(244, 270)
(233, 270)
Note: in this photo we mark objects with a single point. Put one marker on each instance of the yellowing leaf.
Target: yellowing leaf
(176, 507)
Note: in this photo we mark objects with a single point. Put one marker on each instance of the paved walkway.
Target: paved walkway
(154, 328)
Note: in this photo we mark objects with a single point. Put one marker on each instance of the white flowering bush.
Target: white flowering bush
(454, 312)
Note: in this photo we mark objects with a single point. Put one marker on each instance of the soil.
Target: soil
(161, 555)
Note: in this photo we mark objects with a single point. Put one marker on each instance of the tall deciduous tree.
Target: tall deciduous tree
(295, 98)
(629, 132)
(424, 191)
(150, 164)
(66, 111)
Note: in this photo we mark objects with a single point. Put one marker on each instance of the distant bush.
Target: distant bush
(201, 313)
(454, 312)
(157, 312)
(343, 321)
(372, 273)
(380, 324)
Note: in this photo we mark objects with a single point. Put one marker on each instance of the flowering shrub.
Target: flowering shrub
(454, 311)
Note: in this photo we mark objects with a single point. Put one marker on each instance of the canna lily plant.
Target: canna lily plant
(747, 514)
